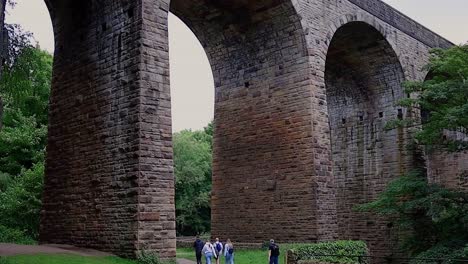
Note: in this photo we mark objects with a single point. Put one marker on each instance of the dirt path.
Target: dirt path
(185, 261)
(12, 249)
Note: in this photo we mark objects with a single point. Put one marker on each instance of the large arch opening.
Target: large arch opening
(110, 183)
(364, 82)
(258, 55)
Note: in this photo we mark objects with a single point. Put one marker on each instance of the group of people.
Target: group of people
(214, 250)
(217, 249)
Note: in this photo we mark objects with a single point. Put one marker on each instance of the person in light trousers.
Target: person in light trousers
(209, 252)
(229, 252)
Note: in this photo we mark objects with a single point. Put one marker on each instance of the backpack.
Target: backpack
(231, 251)
(219, 247)
(275, 250)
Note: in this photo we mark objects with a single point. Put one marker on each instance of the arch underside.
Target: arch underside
(109, 182)
(364, 83)
(263, 172)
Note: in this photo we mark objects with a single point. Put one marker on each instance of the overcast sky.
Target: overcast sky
(191, 79)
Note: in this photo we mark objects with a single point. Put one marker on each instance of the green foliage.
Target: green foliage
(192, 164)
(22, 142)
(11, 235)
(147, 257)
(427, 215)
(343, 251)
(21, 202)
(443, 99)
(24, 90)
(450, 253)
(25, 85)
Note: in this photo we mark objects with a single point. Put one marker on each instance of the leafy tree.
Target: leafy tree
(24, 88)
(20, 204)
(22, 142)
(18, 40)
(427, 215)
(192, 164)
(25, 85)
(443, 97)
(433, 220)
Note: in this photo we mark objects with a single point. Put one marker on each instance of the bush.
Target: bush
(344, 251)
(20, 203)
(448, 252)
(147, 257)
(9, 235)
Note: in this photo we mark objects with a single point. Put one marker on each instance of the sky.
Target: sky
(192, 85)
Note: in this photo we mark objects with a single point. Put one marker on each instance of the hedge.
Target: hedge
(343, 251)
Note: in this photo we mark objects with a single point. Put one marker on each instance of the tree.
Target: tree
(17, 40)
(25, 84)
(427, 215)
(25, 88)
(443, 98)
(192, 164)
(432, 220)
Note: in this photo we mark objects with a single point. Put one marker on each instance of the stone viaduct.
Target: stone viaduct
(303, 91)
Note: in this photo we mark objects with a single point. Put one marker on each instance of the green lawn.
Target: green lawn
(240, 256)
(62, 259)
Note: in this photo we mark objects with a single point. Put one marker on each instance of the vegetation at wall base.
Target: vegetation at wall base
(332, 252)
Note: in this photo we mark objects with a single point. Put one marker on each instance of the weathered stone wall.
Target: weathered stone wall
(299, 114)
(448, 169)
(108, 173)
(363, 80)
(265, 179)
(361, 88)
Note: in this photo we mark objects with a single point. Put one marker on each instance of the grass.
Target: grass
(62, 259)
(251, 256)
(242, 256)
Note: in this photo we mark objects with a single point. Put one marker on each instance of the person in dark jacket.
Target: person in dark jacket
(198, 246)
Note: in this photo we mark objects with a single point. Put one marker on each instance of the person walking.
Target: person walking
(273, 252)
(209, 251)
(218, 246)
(198, 246)
(229, 252)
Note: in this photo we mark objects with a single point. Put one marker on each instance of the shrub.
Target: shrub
(10, 235)
(448, 252)
(342, 251)
(148, 257)
(20, 203)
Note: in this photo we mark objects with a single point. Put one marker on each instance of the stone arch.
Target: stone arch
(259, 57)
(363, 79)
(370, 20)
(109, 176)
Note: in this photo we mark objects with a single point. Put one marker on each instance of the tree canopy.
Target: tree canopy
(432, 220)
(192, 165)
(443, 100)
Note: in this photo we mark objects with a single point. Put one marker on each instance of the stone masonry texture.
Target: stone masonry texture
(303, 91)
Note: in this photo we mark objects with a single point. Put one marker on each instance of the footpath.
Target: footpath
(13, 249)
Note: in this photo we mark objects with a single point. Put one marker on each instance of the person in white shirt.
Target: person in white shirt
(229, 252)
(209, 251)
(218, 246)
